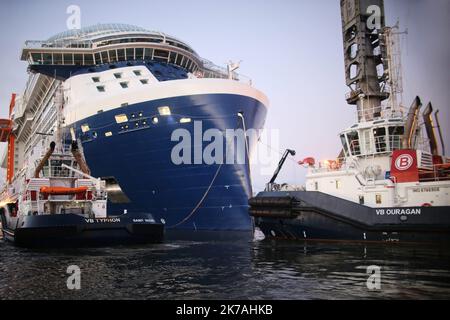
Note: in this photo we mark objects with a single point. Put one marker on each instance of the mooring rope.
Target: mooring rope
(201, 200)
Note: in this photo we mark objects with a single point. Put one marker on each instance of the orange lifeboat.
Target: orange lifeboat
(62, 190)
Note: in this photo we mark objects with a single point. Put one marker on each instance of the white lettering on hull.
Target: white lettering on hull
(398, 211)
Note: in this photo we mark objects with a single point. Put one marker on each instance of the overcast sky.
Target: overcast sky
(292, 50)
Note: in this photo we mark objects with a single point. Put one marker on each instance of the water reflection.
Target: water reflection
(226, 270)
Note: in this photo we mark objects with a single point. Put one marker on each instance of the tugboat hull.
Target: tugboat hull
(73, 230)
(308, 215)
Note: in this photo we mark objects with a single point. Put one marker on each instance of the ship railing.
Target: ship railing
(383, 144)
(38, 44)
(438, 172)
(379, 113)
(338, 164)
(58, 172)
(211, 70)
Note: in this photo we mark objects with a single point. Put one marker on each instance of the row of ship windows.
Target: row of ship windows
(154, 40)
(123, 84)
(134, 121)
(116, 55)
(118, 75)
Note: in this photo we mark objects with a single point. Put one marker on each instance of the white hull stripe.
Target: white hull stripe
(86, 105)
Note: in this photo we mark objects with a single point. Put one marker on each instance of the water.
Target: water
(226, 270)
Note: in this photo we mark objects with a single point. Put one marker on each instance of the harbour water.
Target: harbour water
(227, 270)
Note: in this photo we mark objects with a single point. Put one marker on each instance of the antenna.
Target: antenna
(393, 66)
(231, 67)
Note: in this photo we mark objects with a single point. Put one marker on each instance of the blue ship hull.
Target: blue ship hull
(137, 154)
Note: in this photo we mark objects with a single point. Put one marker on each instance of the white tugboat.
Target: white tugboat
(390, 182)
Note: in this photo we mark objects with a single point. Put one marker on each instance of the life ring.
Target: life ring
(426, 204)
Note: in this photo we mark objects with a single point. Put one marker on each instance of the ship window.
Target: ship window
(88, 59)
(96, 79)
(173, 56)
(124, 104)
(108, 134)
(378, 198)
(118, 75)
(120, 118)
(316, 185)
(124, 85)
(179, 58)
(137, 72)
(338, 184)
(395, 137)
(344, 144)
(161, 54)
(144, 81)
(105, 57)
(380, 139)
(85, 127)
(188, 65)
(148, 53)
(112, 55)
(101, 88)
(78, 59)
(164, 111)
(353, 139)
(57, 58)
(185, 120)
(368, 144)
(139, 53)
(97, 58)
(361, 199)
(130, 53)
(37, 58)
(121, 54)
(47, 58)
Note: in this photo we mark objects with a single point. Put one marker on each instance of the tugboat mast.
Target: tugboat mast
(364, 56)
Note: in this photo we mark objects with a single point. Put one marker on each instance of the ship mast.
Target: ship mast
(366, 69)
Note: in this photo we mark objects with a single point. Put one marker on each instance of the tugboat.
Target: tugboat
(54, 201)
(390, 183)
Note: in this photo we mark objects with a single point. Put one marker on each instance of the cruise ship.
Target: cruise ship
(123, 91)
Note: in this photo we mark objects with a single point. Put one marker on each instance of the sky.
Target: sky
(291, 49)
